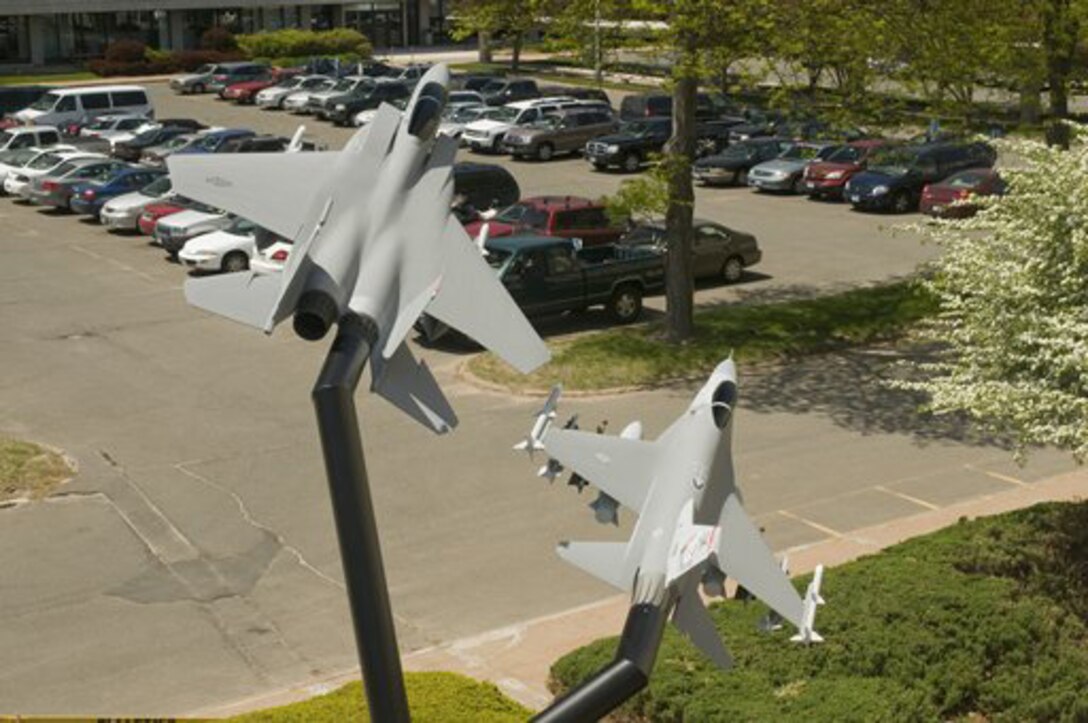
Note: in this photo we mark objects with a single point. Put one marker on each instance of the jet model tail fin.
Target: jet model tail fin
(743, 555)
(693, 620)
(245, 297)
(409, 385)
(603, 560)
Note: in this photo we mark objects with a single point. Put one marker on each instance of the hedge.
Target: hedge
(985, 620)
(292, 43)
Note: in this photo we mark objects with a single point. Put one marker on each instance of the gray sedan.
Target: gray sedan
(718, 251)
(786, 173)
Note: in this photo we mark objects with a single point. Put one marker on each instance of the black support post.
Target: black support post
(356, 528)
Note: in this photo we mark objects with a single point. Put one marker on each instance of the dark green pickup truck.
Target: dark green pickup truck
(547, 275)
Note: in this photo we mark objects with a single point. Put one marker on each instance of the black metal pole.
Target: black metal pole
(356, 528)
(626, 675)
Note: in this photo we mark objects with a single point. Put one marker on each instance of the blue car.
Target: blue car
(88, 198)
(894, 178)
(216, 141)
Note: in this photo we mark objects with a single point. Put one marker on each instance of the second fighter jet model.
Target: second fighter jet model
(374, 239)
(692, 530)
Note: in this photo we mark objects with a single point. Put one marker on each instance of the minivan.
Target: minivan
(64, 106)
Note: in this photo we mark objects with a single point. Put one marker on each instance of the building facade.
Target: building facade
(50, 32)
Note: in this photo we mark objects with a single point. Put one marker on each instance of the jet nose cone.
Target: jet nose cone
(726, 371)
(428, 103)
(438, 74)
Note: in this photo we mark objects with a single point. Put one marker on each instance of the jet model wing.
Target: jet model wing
(244, 297)
(691, 617)
(622, 468)
(744, 556)
(473, 301)
(273, 190)
(409, 385)
(602, 560)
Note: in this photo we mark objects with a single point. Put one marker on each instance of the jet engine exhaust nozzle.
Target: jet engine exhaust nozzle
(315, 315)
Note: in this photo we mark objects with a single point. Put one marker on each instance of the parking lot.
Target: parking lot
(192, 562)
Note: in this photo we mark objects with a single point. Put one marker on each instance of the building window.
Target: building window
(14, 39)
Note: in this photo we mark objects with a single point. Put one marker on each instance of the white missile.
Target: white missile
(806, 632)
(544, 419)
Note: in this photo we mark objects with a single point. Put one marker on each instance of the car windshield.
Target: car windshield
(99, 173)
(18, 158)
(204, 70)
(493, 86)
(548, 121)
(738, 152)
(846, 154)
(315, 82)
(643, 236)
(157, 188)
(801, 153)
(893, 162)
(505, 115)
(146, 136)
(462, 97)
(101, 124)
(210, 143)
(242, 227)
(465, 115)
(289, 82)
(524, 214)
(345, 84)
(46, 160)
(967, 179)
(178, 142)
(5, 137)
(640, 127)
(46, 102)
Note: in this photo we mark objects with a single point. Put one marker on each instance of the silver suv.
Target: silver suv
(564, 131)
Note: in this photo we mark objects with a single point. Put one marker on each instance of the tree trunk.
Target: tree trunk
(1030, 105)
(679, 284)
(484, 40)
(1060, 32)
(515, 60)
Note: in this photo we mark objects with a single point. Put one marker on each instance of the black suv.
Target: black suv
(501, 92)
(894, 178)
(384, 92)
(731, 166)
(707, 106)
(637, 140)
(480, 187)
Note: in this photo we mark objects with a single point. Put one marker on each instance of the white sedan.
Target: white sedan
(230, 249)
(271, 259)
(124, 211)
(15, 160)
(17, 183)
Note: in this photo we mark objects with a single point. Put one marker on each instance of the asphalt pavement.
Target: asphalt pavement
(192, 562)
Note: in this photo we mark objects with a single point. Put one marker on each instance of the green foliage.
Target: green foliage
(984, 620)
(432, 698)
(639, 356)
(27, 470)
(291, 43)
(219, 39)
(645, 197)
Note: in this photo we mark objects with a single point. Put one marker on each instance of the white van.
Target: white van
(63, 106)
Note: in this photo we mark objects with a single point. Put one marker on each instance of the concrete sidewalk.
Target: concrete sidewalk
(517, 658)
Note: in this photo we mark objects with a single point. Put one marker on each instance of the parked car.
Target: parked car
(583, 93)
(464, 99)
(563, 216)
(89, 196)
(382, 92)
(228, 249)
(708, 106)
(481, 187)
(732, 165)
(62, 106)
(825, 179)
(454, 120)
(123, 212)
(296, 100)
(787, 171)
(16, 97)
(16, 137)
(757, 124)
(345, 90)
(105, 126)
(267, 144)
(245, 92)
(167, 205)
(174, 230)
(197, 81)
(486, 133)
(55, 188)
(12, 161)
(271, 259)
(896, 176)
(474, 81)
(364, 117)
(17, 182)
(215, 141)
(411, 74)
(274, 95)
(546, 275)
(132, 149)
(227, 74)
(637, 141)
(503, 91)
(564, 131)
(718, 252)
(156, 155)
(948, 199)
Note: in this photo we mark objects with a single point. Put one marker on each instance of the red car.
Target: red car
(826, 179)
(154, 211)
(939, 199)
(562, 216)
(245, 93)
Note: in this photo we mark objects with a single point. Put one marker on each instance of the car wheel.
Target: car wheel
(799, 185)
(632, 162)
(599, 166)
(545, 151)
(496, 145)
(626, 304)
(198, 88)
(235, 261)
(901, 203)
(741, 177)
(732, 269)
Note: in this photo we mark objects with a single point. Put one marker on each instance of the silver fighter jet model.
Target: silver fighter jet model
(692, 530)
(374, 238)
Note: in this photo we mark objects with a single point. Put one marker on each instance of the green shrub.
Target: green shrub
(985, 620)
(218, 38)
(291, 43)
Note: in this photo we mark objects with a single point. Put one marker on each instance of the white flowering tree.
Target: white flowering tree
(1013, 289)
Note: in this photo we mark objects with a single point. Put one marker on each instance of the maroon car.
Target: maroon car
(563, 216)
(245, 93)
(826, 179)
(942, 200)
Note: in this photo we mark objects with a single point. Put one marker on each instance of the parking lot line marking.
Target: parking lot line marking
(998, 475)
(114, 262)
(814, 525)
(908, 498)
